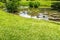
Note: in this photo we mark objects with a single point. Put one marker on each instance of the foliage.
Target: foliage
(31, 4)
(2, 5)
(24, 3)
(40, 3)
(1, 0)
(12, 6)
(55, 6)
(34, 4)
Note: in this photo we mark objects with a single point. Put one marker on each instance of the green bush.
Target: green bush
(31, 4)
(12, 6)
(2, 5)
(55, 6)
(34, 4)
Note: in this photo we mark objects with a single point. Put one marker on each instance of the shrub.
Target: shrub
(12, 6)
(2, 5)
(34, 4)
(31, 4)
(55, 6)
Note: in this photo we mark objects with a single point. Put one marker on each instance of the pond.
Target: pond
(40, 13)
(40, 16)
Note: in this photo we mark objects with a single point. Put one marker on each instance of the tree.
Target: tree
(55, 6)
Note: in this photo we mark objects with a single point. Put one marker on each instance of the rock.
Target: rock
(40, 15)
(24, 14)
(35, 17)
(45, 17)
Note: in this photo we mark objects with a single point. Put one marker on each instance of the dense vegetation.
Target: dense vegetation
(2, 5)
(12, 6)
(55, 6)
(34, 4)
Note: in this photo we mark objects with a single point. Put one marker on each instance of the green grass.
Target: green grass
(13, 27)
(42, 3)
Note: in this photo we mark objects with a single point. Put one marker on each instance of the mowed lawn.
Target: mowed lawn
(14, 27)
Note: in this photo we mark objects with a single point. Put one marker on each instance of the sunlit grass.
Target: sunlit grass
(14, 27)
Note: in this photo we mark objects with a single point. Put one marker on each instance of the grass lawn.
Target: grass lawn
(13, 27)
(43, 4)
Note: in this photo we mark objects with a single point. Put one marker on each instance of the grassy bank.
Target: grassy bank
(13, 27)
(43, 4)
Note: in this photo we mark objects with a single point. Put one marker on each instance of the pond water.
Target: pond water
(24, 14)
(41, 13)
(39, 16)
